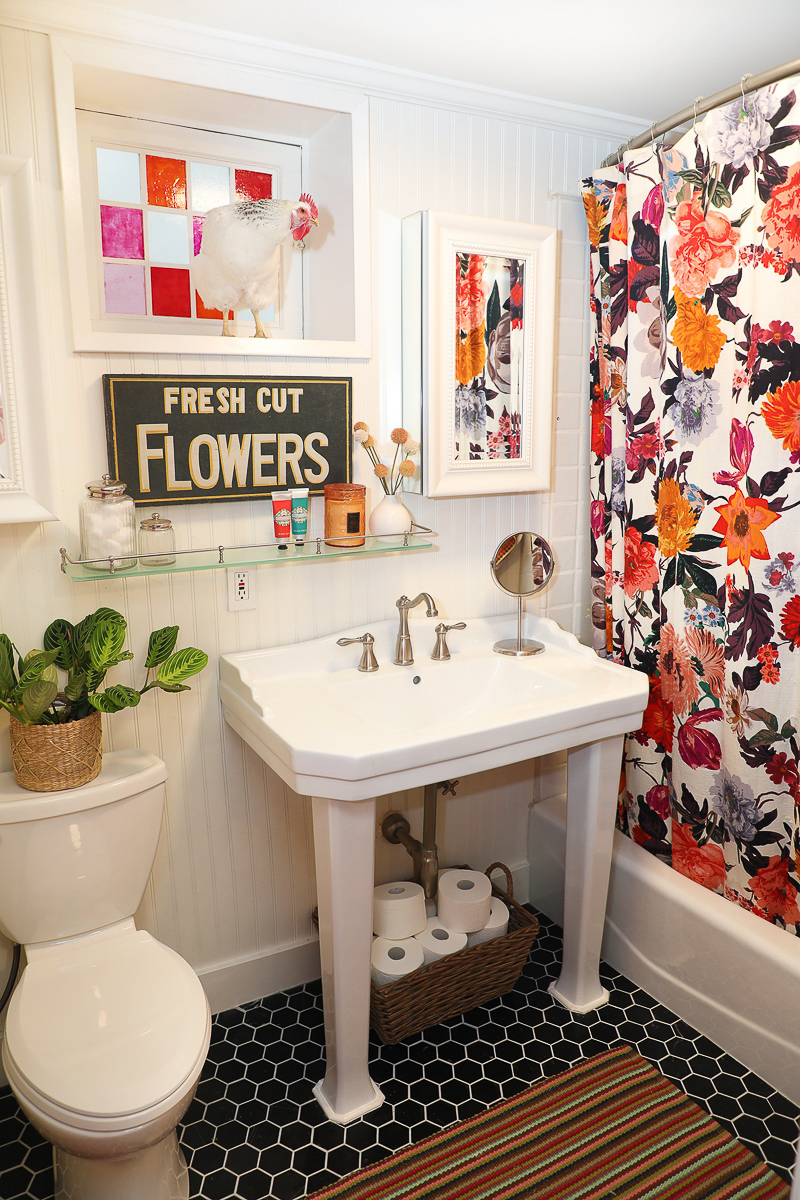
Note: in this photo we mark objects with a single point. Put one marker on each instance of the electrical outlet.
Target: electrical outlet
(241, 590)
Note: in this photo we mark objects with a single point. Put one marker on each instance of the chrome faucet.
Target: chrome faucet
(403, 654)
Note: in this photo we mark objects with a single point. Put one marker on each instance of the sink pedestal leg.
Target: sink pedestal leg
(592, 789)
(344, 846)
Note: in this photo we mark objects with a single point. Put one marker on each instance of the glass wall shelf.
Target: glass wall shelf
(256, 555)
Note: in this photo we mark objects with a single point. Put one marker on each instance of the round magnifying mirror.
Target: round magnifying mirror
(521, 566)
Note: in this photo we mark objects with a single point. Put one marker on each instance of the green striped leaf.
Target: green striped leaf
(115, 698)
(58, 636)
(8, 676)
(34, 665)
(40, 695)
(105, 644)
(161, 644)
(182, 665)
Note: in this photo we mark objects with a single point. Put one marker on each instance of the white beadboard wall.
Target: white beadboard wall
(233, 884)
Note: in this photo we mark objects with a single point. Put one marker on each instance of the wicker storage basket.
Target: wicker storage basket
(47, 758)
(459, 982)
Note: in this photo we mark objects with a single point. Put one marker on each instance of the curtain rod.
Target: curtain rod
(704, 104)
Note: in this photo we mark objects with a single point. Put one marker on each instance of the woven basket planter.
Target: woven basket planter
(49, 758)
(458, 982)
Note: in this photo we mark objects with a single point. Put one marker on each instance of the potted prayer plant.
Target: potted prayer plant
(56, 728)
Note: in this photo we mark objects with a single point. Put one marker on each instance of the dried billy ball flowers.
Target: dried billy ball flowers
(404, 448)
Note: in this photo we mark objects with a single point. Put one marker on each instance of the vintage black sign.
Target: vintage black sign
(179, 439)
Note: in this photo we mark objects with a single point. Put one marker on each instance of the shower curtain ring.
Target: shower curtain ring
(697, 100)
(652, 135)
(743, 81)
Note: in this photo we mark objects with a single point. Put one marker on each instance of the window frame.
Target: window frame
(346, 109)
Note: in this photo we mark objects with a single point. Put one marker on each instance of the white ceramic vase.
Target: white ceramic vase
(390, 516)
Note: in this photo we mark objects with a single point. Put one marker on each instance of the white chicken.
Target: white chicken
(240, 252)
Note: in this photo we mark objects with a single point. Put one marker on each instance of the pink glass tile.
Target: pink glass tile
(253, 185)
(166, 182)
(197, 232)
(124, 288)
(172, 295)
(122, 232)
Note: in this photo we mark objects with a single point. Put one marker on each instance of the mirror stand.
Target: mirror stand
(521, 566)
(518, 645)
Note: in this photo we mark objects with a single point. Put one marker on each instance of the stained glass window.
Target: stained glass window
(151, 210)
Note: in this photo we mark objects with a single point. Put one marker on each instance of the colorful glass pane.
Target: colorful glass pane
(122, 232)
(118, 176)
(171, 290)
(166, 182)
(197, 233)
(211, 186)
(208, 314)
(253, 185)
(124, 288)
(168, 240)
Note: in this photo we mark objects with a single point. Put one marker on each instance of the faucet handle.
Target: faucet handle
(440, 651)
(368, 660)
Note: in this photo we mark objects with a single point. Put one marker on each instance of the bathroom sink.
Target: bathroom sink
(330, 730)
(344, 737)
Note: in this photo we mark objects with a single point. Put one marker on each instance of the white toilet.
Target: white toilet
(107, 1030)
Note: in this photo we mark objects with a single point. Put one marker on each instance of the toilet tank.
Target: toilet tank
(76, 860)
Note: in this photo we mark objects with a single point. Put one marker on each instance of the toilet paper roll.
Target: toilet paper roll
(430, 908)
(398, 910)
(496, 926)
(464, 901)
(437, 941)
(393, 959)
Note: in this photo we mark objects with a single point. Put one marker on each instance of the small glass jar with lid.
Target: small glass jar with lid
(108, 525)
(345, 505)
(157, 539)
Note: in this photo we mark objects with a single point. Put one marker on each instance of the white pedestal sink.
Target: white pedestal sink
(345, 737)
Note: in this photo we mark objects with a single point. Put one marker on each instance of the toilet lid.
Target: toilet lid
(108, 1029)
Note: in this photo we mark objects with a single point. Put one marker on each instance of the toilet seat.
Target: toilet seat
(108, 1033)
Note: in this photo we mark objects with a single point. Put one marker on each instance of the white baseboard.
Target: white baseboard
(247, 979)
(235, 983)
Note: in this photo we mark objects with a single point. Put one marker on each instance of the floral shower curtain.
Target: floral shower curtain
(695, 448)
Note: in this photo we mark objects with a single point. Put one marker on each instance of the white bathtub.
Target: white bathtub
(731, 975)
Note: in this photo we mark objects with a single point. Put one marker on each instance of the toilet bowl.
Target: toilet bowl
(107, 1030)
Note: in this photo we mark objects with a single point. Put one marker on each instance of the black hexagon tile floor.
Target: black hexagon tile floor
(254, 1131)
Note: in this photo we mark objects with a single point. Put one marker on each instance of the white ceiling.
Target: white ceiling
(632, 57)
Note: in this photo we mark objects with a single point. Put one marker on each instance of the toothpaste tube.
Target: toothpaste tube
(282, 517)
(299, 515)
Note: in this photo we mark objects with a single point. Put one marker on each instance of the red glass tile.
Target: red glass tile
(172, 295)
(210, 314)
(253, 185)
(166, 181)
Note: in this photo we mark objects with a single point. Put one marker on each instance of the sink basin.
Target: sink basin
(330, 730)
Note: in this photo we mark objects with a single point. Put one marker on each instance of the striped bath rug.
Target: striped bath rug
(611, 1126)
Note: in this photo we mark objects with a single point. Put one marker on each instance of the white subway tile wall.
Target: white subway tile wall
(234, 877)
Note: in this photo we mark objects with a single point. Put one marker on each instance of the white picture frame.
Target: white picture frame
(26, 487)
(434, 244)
(330, 124)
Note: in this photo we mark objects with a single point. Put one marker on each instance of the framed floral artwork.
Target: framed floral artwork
(478, 328)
